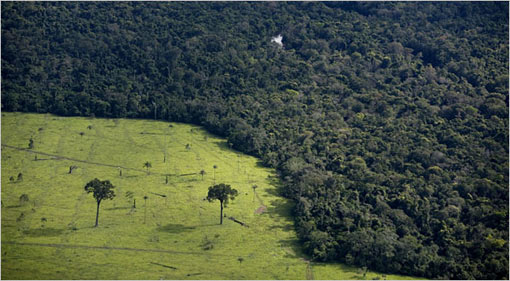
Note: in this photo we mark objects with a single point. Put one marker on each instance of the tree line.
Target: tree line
(387, 122)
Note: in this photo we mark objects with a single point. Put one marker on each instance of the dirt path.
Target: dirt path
(262, 207)
(69, 246)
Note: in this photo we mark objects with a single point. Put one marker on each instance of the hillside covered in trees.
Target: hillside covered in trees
(387, 122)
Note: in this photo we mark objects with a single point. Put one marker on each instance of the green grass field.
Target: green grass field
(52, 235)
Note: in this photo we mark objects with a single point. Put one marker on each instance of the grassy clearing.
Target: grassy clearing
(51, 235)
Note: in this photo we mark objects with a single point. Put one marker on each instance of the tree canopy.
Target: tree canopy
(223, 193)
(101, 190)
(386, 121)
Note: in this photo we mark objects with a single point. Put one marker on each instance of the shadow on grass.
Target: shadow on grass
(12, 206)
(223, 145)
(274, 180)
(179, 228)
(285, 228)
(118, 208)
(41, 232)
(293, 249)
(281, 210)
(282, 207)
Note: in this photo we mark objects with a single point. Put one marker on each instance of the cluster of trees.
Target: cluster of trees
(388, 122)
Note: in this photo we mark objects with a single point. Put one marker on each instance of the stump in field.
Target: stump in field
(238, 221)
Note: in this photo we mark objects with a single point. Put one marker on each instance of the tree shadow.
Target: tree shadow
(118, 208)
(223, 145)
(275, 182)
(180, 228)
(285, 228)
(175, 228)
(293, 249)
(12, 206)
(41, 232)
(274, 192)
(282, 207)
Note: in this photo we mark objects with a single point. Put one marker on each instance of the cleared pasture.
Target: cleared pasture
(48, 219)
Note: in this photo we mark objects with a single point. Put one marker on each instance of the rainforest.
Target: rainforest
(386, 122)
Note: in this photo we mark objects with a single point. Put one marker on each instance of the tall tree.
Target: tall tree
(101, 190)
(222, 192)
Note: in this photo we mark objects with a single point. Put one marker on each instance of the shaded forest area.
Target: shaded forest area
(387, 122)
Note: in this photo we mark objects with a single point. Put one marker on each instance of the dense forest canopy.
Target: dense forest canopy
(387, 121)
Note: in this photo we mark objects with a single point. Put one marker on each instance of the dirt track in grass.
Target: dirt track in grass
(59, 157)
(111, 248)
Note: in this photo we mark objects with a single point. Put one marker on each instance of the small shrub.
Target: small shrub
(129, 195)
(154, 238)
(71, 168)
(72, 226)
(207, 244)
(23, 198)
(21, 217)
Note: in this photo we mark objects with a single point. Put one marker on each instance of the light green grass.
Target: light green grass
(163, 238)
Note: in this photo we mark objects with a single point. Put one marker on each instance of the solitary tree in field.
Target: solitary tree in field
(202, 173)
(222, 192)
(101, 190)
(147, 165)
(254, 187)
(214, 167)
(145, 208)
